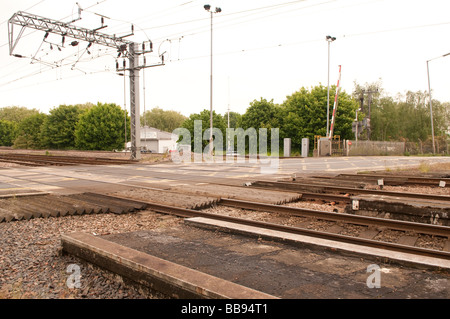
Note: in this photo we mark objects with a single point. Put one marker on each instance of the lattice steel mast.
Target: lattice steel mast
(127, 49)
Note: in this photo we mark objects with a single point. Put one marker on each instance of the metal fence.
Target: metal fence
(441, 145)
(379, 148)
(374, 148)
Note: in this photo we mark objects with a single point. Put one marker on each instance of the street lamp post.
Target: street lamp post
(217, 10)
(329, 40)
(431, 105)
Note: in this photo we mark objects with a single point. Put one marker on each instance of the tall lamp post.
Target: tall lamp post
(329, 40)
(431, 105)
(217, 10)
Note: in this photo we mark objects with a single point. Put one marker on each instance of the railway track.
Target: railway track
(391, 180)
(442, 230)
(46, 160)
(45, 206)
(418, 228)
(298, 186)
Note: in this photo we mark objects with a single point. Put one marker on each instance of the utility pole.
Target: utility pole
(369, 93)
(431, 103)
(207, 7)
(125, 48)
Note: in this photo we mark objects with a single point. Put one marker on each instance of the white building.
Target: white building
(157, 141)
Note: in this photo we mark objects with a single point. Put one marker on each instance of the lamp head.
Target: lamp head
(207, 7)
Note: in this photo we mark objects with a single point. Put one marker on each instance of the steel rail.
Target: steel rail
(37, 160)
(411, 178)
(61, 160)
(329, 197)
(66, 157)
(421, 228)
(299, 187)
(24, 163)
(388, 179)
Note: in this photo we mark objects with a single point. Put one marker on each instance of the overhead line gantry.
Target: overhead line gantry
(125, 48)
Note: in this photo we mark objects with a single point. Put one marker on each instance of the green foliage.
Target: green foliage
(58, 130)
(162, 120)
(204, 116)
(7, 133)
(304, 114)
(16, 114)
(261, 114)
(102, 128)
(407, 118)
(28, 132)
(235, 119)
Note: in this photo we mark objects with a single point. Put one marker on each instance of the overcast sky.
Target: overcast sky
(262, 49)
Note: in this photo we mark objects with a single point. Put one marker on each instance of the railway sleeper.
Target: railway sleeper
(45, 210)
(6, 215)
(84, 207)
(24, 211)
(76, 207)
(135, 203)
(112, 206)
(51, 205)
(128, 205)
(38, 210)
(88, 206)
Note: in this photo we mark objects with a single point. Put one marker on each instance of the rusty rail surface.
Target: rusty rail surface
(394, 180)
(42, 160)
(301, 187)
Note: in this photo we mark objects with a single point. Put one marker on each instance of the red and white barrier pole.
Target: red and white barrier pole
(333, 118)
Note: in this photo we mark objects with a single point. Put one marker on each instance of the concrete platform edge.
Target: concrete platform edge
(306, 241)
(160, 275)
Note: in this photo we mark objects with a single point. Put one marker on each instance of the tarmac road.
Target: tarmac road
(70, 179)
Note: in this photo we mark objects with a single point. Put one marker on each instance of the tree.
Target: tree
(162, 120)
(407, 118)
(384, 120)
(7, 133)
(16, 114)
(58, 130)
(102, 127)
(235, 119)
(261, 114)
(304, 114)
(12, 116)
(204, 117)
(28, 136)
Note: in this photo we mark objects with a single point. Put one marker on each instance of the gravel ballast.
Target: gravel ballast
(32, 266)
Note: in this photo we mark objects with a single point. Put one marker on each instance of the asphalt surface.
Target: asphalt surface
(69, 179)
